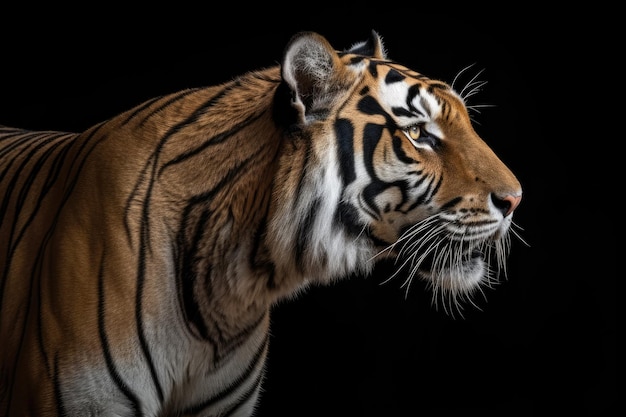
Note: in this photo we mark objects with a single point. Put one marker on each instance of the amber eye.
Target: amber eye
(413, 132)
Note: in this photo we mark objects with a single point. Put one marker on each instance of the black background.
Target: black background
(542, 342)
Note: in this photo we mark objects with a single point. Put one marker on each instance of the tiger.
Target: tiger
(140, 259)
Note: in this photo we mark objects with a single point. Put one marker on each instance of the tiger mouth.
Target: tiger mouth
(453, 264)
(460, 274)
(435, 260)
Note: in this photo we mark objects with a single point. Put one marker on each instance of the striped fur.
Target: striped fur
(139, 259)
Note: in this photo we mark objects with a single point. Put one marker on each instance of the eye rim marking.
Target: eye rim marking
(420, 138)
(413, 133)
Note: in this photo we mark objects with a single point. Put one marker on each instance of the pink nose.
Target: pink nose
(513, 203)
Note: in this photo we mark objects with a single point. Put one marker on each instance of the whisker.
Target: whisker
(452, 84)
(416, 244)
(446, 247)
(473, 86)
(406, 235)
(474, 106)
(516, 233)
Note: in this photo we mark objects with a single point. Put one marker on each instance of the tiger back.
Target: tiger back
(140, 259)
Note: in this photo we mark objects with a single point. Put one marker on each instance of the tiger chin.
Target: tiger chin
(140, 259)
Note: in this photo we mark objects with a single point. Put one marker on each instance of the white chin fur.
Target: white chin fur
(458, 281)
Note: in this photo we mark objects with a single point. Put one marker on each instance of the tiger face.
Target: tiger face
(415, 180)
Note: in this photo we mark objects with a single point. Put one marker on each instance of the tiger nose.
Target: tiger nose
(507, 204)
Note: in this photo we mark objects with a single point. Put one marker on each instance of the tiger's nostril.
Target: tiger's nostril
(507, 204)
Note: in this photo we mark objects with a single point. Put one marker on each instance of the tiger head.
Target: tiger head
(404, 173)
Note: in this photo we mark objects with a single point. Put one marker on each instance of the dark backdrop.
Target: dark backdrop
(543, 341)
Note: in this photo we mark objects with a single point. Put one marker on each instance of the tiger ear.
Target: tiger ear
(373, 47)
(315, 74)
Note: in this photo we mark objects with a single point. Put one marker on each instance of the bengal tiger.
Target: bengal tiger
(140, 259)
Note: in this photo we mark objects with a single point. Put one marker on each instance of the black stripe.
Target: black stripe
(186, 274)
(432, 190)
(398, 150)
(258, 260)
(304, 230)
(344, 132)
(104, 342)
(245, 397)
(135, 112)
(217, 139)
(141, 276)
(453, 202)
(347, 217)
(7, 198)
(236, 382)
(50, 177)
(18, 141)
(236, 340)
(369, 194)
(394, 76)
(58, 392)
(369, 105)
(372, 67)
(301, 171)
(437, 85)
(412, 92)
(138, 109)
(402, 112)
(193, 118)
(371, 137)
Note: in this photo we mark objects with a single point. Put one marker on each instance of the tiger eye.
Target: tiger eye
(414, 132)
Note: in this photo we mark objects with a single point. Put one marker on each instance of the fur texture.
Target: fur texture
(139, 259)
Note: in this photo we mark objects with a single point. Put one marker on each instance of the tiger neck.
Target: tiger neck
(312, 236)
(271, 236)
